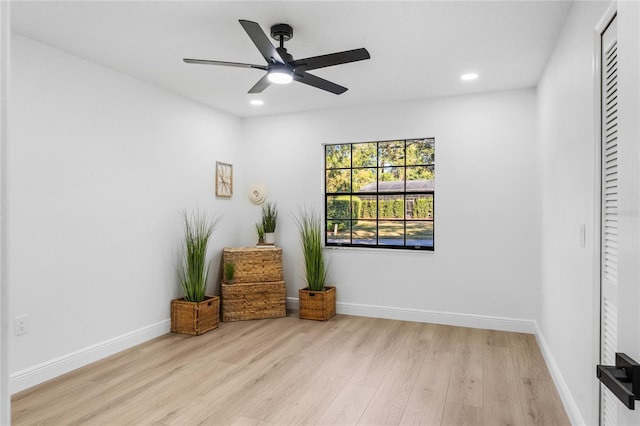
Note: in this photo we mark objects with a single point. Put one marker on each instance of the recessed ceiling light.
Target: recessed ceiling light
(256, 102)
(470, 76)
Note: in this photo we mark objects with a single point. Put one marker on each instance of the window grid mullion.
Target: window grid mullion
(377, 193)
(404, 197)
(389, 196)
(351, 198)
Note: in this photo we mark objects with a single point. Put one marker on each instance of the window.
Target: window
(380, 194)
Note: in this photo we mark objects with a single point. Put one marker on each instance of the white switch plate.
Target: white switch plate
(21, 325)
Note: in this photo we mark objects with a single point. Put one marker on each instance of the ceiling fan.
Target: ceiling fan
(281, 68)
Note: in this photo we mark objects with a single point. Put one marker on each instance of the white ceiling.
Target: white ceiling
(418, 49)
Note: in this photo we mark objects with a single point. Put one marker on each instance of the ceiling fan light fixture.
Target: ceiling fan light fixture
(256, 102)
(281, 68)
(280, 76)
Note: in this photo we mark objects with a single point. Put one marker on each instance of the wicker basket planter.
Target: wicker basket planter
(195, 317)
(247, 301)
(317, 305)
(253, 265)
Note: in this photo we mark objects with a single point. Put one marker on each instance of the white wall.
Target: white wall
(100, 167)
(487, 256)
(567, 157)
(5, 35)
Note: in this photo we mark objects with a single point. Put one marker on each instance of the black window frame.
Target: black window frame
(423, 193)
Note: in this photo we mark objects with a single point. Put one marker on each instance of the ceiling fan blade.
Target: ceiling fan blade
(226, 64)
(318, 82)
(261, 41)
(262, 84)
(331, 59)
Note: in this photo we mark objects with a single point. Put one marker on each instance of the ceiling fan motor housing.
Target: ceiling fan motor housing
(282, 30)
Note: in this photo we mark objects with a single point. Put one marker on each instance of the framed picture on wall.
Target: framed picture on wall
(224, 180)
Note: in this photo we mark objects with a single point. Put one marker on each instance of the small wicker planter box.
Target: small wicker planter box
(195, 317)
(248, 301)
(254, 265)
(317, 305)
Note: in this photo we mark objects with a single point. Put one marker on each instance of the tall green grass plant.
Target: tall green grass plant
(269, 217)
(309, 226)
(260, 231)
(193, 270)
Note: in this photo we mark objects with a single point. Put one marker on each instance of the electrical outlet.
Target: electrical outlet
(21, 325)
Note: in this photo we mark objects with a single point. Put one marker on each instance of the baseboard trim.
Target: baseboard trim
(569, 403)
(40, 373)
(434, 317)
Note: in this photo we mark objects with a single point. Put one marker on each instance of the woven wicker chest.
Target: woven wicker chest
(258, 290)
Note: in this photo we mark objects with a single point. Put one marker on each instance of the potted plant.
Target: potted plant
(269, 220)
(229, 272)
(195, 313)
(260, 231)
(316, 301)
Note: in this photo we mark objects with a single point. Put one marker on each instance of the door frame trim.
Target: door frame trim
(599, 29)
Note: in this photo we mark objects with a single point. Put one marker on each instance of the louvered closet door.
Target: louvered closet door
(609, 218)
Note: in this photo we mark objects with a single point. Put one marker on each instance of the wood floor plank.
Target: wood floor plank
(496, 338)
(128, 404)
(443, 339)
(539, 408)
(253, 344)
(307, 404)
(348, 406)
(119, 386)
(270, 394)
(465, 385)
(294, 379)
(79, 385)
(332, 331)
(156, 402)
(392, 336)
(427, 400)
(366, 336)
(462, 415)
(246, 421)
(527, 358)
(248, 398)
(501, 403)
(290, 371)
(393, 393)
(262, 356)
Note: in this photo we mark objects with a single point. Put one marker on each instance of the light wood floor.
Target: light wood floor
(349, 370)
